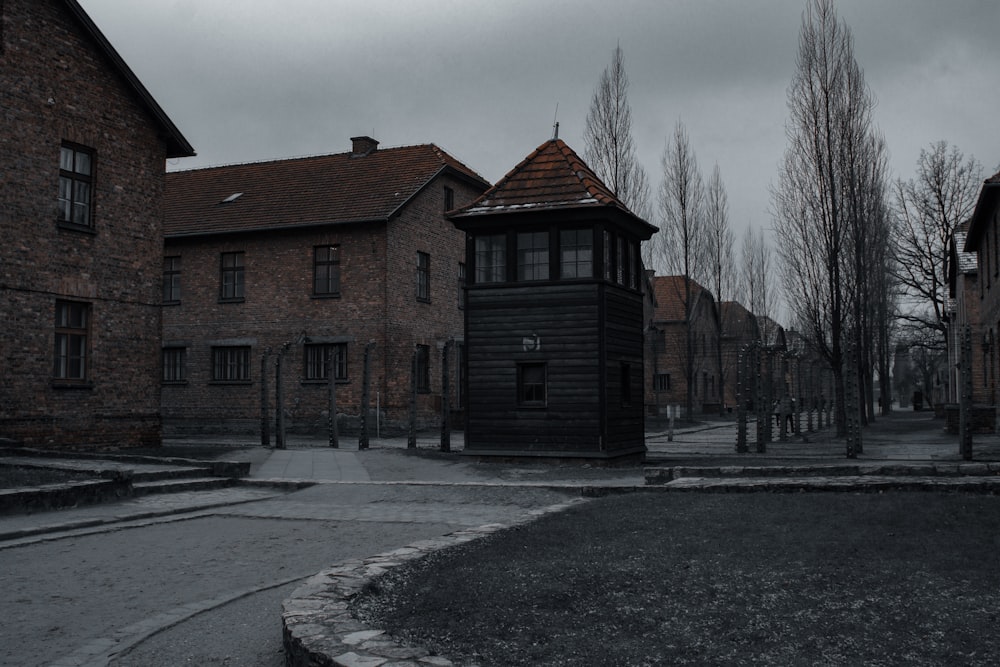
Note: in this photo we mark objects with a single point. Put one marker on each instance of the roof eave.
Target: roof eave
(980, 216)
(466, 218)
(177, 145)
(273, 228)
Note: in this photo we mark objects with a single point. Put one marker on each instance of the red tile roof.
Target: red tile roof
(553, 177)
(301, 192)
(669, 293)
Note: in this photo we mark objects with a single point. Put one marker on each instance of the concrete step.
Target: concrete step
(862, 484)
(178, 485)
(663, 475)
(151, 475)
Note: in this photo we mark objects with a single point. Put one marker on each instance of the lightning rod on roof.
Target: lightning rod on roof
(555, 123)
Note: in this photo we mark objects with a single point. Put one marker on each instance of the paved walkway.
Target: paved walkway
(391, 483)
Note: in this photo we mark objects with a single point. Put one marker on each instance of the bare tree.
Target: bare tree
(820, 201)
(719, 253)
(682, 230)
(609, 148)
(929, 208)
(757, 282)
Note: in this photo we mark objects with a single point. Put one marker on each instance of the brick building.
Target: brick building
(312, 257)
(962, 308)
(739, 330)
(983, 238)
(672, 321)
(84, 147)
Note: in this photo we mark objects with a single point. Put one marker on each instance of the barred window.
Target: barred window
(231, 364)
(661, 382)
(318, 357)
(174, 364)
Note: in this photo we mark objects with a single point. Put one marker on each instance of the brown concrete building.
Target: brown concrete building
(84, 147)
(309, 258)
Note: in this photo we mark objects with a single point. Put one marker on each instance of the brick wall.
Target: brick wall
(377, 303)
(59, 87)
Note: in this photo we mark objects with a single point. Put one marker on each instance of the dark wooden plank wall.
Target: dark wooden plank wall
(623, 326)
(567, 321)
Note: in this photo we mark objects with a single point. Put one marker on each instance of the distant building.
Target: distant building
(672, 322)
(313, 258)
(84, 147)
(983, 238)
(739, 331)
(554, 324)
(962, 310)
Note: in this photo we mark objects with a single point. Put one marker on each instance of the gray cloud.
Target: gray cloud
(256, 80)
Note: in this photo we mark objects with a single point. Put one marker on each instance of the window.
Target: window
(531, 385)
(626, 383)
(533, 256)
(171, 279)
(491, 258)
(661, 382)
(576, 250)
(995, 233)
(423, 368)
(461, 374)
(449, 199)
(609, 267)
(326, 270)
(423, 277)
(174, 363)
(72, 325)
(231, 364)
(621, 259)
(461, 285)
(634, 264)
(318, 357)
(231, 278)
(76, 166)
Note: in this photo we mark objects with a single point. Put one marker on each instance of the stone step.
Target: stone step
(177, 485)
(663, 475)
(866, 483)
(151, 475)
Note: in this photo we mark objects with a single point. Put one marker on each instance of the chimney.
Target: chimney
(362, 146)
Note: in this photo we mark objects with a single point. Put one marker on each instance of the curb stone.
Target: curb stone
(319, 631)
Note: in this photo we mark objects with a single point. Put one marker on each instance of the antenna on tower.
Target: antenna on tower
(555, 123)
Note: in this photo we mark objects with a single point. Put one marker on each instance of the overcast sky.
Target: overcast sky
(248, 80)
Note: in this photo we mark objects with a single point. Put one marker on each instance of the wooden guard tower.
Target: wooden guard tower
(553, 314)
